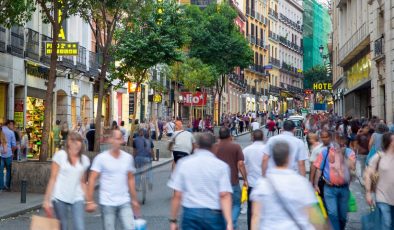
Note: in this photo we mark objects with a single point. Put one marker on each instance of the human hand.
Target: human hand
(369, 199)
(230, 226)
(136, 208)
(317, 189)
(245, 183)
(47, 206)
(173, 226)
(91, 206)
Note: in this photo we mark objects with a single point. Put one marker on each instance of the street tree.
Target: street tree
(193, 74)
(103, 17)
(15, 12)
(317, 74)
(54, 12)
(218, 42)
(148, 41)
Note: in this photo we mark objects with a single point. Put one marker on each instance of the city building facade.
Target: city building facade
(290, 54)
(24, 69)
(362, 58)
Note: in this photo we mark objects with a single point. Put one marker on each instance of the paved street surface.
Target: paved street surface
(156, 210)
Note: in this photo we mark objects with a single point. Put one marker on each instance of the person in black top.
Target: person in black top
(90, 137)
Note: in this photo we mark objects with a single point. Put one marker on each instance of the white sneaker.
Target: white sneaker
(244, 208)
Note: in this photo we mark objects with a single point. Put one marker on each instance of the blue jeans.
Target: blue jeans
(77, 211)
(202, 219)
(5, 162)
(236, 209)
(336, 200)
(123, 213)
(143, 163)
(387, 215)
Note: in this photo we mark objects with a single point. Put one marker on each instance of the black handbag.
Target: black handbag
(321, 181)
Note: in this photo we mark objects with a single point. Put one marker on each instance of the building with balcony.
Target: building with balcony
(316, 33)
(24, 69)
(290, 32)
(362, 59)
(256, 31)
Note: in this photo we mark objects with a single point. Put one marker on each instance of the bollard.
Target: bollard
(23, 191)
(157, 154)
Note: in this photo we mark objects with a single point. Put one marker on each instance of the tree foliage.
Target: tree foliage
(15, 12)
(216, 40)
(193, 74)
(146, 43)
(317, 74)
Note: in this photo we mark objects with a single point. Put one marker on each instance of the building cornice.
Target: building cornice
(296, 5)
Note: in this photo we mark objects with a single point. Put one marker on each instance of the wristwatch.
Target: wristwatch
(173, 220)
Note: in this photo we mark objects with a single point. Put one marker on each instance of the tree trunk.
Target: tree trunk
(136, 101)
(102, 76)
(48, 103)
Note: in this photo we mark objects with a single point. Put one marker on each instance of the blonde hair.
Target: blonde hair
(3, 139)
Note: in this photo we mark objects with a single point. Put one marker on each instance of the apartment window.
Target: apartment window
(252, 29)
(261, 59)
(256, 58)
(247, 28)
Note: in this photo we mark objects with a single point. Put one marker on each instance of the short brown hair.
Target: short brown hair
(386, 141)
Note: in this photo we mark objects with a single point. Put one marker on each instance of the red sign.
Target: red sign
(194, 99)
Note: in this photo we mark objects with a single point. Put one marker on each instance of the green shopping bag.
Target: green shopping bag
(352, 203)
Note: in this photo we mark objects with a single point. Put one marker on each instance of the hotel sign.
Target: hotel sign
(322, 86)
(63, 48)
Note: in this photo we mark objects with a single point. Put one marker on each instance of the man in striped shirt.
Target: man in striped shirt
(203, 188)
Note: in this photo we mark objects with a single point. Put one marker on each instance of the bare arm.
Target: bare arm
(255, 221)
(226, 203)
(51, 184)
(91, 184)
(370, 143)
(133, 193)
(265, 164)
(83, 183)
(301, 167)
(241, 168)
(312, 173)
(317, 177)
(175, 204)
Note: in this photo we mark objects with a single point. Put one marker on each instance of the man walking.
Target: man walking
(298, 151)
(6, 158)
(336, 164)
(202, 186)
(254, 154)
(182, 143)
(231, 153)
(117, 183)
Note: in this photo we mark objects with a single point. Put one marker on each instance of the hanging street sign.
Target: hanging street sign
(63, 48)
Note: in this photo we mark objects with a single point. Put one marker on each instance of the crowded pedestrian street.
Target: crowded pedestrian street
(156, 209)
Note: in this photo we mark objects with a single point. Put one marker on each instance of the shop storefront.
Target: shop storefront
(358, 84)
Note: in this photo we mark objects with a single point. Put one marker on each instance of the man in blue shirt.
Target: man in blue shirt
(6, 158)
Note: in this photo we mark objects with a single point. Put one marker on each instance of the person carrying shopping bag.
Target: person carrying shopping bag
(66, 188)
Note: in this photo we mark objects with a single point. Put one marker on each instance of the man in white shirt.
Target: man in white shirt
(203, 188)
(183, 142)
(298, 151)
(254, 154)
(169, 127)
(255, 125)
(117, 183)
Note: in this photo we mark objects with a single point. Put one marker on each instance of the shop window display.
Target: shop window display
(34, 122)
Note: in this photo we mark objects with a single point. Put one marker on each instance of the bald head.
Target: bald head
(258, 135)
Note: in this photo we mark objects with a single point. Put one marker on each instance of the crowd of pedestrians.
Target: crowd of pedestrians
(210, 174)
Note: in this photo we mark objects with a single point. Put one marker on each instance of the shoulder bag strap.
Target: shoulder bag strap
(177, 135)
(284, 205)
(325, 160)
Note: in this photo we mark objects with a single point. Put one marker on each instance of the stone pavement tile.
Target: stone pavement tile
(10, 203)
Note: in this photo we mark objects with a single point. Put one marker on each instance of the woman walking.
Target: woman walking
(382, 163)
(66, 188)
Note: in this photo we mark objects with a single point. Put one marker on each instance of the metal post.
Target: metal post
(157, 154)
(23, 191)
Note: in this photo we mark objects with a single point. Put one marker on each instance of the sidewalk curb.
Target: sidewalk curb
(38, 206)
(20, 212)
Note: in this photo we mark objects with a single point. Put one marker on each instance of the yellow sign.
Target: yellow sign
(157, 98)
(322, 86)
(59, 18)
(18, 118)
(63, 48)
